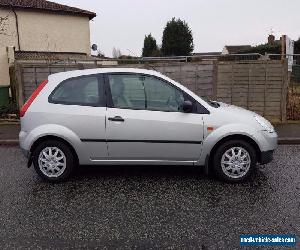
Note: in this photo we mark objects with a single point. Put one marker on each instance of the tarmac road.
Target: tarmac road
(146, 207)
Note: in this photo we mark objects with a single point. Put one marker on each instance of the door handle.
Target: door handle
(116, 119)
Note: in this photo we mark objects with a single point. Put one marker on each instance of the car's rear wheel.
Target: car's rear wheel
(234, 160)
(53, 160)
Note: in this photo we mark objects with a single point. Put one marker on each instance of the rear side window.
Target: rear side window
(86, 91)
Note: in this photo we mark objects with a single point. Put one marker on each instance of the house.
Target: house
(234, 49)
(39, 28)
(273, 41)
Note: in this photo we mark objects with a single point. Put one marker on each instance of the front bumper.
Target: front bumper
(269, 142)
(266, 157)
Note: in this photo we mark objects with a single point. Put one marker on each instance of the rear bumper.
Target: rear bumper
(22, 137)
(26, 153)
(266, 157)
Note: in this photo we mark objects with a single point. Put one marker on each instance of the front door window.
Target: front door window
(144, 92)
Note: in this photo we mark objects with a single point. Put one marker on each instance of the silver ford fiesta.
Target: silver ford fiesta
(133, 116)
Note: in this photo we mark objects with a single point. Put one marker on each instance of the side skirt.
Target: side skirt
(142, 162)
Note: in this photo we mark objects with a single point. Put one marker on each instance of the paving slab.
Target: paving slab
(9, 131)
(289, 130)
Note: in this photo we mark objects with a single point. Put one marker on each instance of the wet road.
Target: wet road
(146, 207)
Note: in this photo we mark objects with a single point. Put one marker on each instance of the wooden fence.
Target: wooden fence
(197, 76)
(25, 77)
(260, 86)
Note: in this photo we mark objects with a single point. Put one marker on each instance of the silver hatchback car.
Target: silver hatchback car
(134, 116)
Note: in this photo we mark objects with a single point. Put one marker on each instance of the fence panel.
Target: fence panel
(30, 75)
(198, 77)
(260, 86)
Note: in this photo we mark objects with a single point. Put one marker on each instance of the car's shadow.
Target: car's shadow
(145, 172)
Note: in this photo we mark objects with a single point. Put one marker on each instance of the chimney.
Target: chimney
(271, 39)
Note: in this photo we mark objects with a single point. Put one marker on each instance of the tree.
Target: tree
(116, 53)
(177, 39)
(150, 46)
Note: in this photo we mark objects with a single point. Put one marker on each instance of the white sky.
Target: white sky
(124, 23)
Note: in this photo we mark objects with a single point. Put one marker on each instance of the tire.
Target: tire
(47, 167)
(238, 167)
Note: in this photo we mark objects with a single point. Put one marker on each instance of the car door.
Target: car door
(79, 105)
(145, 123)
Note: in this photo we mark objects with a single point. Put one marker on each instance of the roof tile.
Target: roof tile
(46, 5)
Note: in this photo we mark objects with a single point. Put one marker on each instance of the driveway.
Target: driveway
(146, 207)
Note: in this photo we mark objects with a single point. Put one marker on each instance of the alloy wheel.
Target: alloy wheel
(52, 162)
(236, 162)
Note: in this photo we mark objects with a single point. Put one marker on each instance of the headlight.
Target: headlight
(266, 125)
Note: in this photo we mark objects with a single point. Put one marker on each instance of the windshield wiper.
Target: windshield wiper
(214, 103)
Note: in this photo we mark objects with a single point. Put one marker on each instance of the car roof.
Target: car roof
(69, 74)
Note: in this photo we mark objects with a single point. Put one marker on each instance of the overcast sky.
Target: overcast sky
(124, 23)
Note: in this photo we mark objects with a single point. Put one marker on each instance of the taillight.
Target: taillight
(32, 97)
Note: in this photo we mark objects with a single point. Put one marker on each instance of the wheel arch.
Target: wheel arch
(235, 137)
(56, 138)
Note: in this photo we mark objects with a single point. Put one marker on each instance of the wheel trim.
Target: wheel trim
(236, 162)
(52, 162)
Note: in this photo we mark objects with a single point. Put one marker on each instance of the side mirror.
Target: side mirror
(187, 106)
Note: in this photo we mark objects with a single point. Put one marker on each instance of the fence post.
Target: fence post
(13, 84)
(19, 85)
(265, 87)
(248, 87)
(215, 80)
(284, 92)
(195, 81)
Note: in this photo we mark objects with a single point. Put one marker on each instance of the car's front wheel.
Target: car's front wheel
(53, 160)
(234, 160)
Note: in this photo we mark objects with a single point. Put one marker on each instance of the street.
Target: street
(146, 207)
